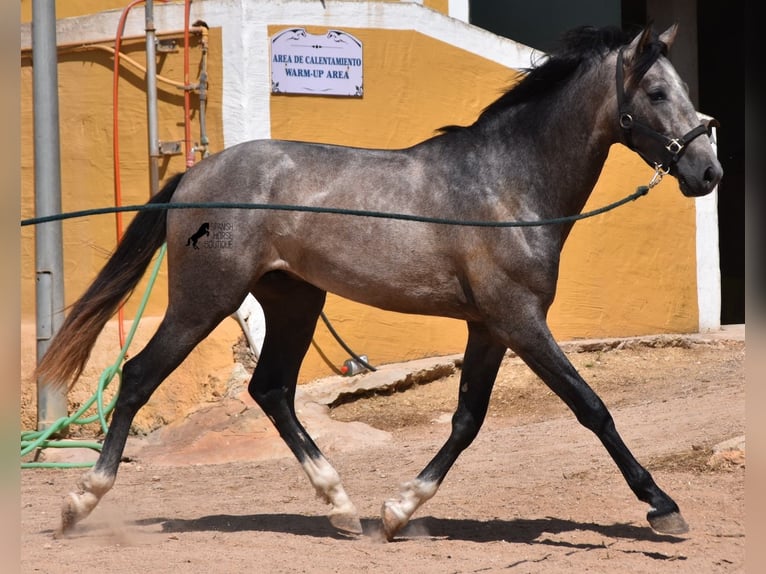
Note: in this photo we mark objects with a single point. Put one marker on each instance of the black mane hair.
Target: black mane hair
(576, 46)
(580, 45)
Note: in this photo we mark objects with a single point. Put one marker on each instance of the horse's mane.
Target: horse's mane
(577, 48)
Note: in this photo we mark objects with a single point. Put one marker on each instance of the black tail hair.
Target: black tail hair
(70, 349)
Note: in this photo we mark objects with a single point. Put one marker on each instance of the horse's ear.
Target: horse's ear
(669, 36)
(638, 43)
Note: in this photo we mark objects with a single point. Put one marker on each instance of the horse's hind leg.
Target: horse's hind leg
(178, 334)
(480, 365)
(291, 309)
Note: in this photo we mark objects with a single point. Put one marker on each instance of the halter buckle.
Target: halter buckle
(674, 146)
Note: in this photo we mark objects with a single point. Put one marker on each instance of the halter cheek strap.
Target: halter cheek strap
(664, 151)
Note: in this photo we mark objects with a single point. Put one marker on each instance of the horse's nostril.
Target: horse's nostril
(712, 176)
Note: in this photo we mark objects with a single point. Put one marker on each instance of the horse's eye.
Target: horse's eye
(657, 95)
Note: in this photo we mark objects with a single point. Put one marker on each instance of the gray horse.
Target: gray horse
(534, 154)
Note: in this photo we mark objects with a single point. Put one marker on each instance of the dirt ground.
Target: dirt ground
(534, 493)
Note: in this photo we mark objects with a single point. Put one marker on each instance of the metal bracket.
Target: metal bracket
(167, 46)
(170, 148)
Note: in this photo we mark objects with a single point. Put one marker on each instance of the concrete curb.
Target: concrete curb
(397, 377)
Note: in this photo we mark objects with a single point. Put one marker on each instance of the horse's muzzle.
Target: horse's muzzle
(692, 186)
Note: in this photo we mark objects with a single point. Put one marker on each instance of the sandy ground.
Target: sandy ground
(219, 492)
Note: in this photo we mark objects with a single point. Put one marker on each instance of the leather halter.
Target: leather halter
(665, 151)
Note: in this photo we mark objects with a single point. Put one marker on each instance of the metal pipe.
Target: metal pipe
(187, 90)
(49, 258)
(202, 89)
(151, 98)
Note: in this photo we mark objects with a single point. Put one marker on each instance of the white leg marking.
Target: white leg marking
(397, 512)
(77, 505)
(326, 481)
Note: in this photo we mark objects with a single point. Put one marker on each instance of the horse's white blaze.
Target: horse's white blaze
(326, 481)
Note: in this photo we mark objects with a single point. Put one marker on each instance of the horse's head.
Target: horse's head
(657, 119)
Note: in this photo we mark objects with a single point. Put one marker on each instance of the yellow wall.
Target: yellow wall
(438, 5)
(631, 271)
(71, 8)
(85, 124)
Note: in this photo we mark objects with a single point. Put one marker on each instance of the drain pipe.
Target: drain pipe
(151, 99)
(49, 266)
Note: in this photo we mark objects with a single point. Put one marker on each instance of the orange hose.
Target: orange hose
(116, 139)
(115, 113)
(116, 143)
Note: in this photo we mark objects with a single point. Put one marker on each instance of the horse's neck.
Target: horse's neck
(567, 144)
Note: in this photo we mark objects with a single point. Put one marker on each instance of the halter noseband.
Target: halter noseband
(666, 151)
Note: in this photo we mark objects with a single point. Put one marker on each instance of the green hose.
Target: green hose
(32, 440)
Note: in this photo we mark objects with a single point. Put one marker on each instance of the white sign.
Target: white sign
(303, 63)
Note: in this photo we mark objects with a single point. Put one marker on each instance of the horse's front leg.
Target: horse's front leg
(480, 365)
(543, 355)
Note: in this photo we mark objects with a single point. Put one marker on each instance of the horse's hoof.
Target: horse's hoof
(349, 523)
(672, 523)
(392, 518)
(69, 516)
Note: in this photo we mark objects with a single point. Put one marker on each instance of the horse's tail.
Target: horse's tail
(70, 349)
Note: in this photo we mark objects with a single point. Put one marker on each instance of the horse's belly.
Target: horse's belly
(403, 291)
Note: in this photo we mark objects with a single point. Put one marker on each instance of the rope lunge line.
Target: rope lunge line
(39, 440)
(640, 191)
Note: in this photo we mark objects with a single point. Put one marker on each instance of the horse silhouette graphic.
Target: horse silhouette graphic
(203, 230)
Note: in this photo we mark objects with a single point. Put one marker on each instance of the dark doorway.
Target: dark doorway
(541, 23)
(722, 95)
